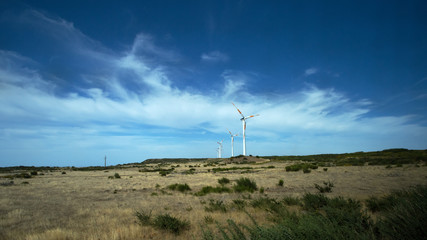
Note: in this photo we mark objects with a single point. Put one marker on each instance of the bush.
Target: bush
(291, 201)
(306, 170)
(314, 201)
(375, 204)
(299, 166)
(223, 181)
(190, 171)
(281, 182)
(33, 173)
(143, 218)
(327, 188)
(179, 187)
(208, 189)
(169, 223)
(245, 184)
(116, 175)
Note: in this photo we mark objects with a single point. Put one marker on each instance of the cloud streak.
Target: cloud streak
(214, 56)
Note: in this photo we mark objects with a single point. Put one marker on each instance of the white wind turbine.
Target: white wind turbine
(220, 148)
(232, 142)
(243, 119)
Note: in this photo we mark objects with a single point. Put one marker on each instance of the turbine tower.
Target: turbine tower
(243, 119)
(232, 142)
(220, 149)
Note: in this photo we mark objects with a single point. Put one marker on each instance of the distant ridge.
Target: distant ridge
(175, 160)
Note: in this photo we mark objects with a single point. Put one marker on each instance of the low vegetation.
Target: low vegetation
(385, 157)
(304, 166)
(326, 188)
(163, 222)
(215, 170)
(208, 189)
(179, 187)
(223, 181)
(245, 185)
(334, 218)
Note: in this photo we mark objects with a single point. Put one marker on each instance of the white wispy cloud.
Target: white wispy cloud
(133, 106)
(214, 56)
(310, 71)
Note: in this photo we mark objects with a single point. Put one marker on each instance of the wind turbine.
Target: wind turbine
(232, 142)
(243, 119)
(220, 148)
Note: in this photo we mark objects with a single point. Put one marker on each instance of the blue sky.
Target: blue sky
(151, 79)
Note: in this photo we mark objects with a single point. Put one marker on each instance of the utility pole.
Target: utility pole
(105, 161)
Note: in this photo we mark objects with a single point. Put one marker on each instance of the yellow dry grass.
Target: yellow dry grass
(89, 205)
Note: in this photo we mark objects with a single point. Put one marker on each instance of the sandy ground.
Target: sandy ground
(89, 205)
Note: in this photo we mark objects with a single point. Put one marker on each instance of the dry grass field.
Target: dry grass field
(93, 205)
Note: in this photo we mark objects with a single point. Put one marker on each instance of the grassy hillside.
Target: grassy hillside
(385, 157)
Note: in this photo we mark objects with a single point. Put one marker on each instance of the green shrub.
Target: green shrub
(116, 175)
(326, 188)
(325, 169)
(144, 219)
(314, 202)
(223, 181)
(169, 223)
(230, 169)
(245, 184)
(208, 189)
(261, 190)
(179, 187)
(33, 173)
(299, 166)
(281, 182)
(291, 201)
(306, 170)
(190, 171)
(64, 173)
(385, 203)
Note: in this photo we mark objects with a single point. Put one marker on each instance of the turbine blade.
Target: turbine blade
(229, 131)
(251, 116)
(238, 110)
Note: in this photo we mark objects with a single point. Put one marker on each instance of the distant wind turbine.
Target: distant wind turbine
(232, 142)
(243, 119)
(220, 149)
